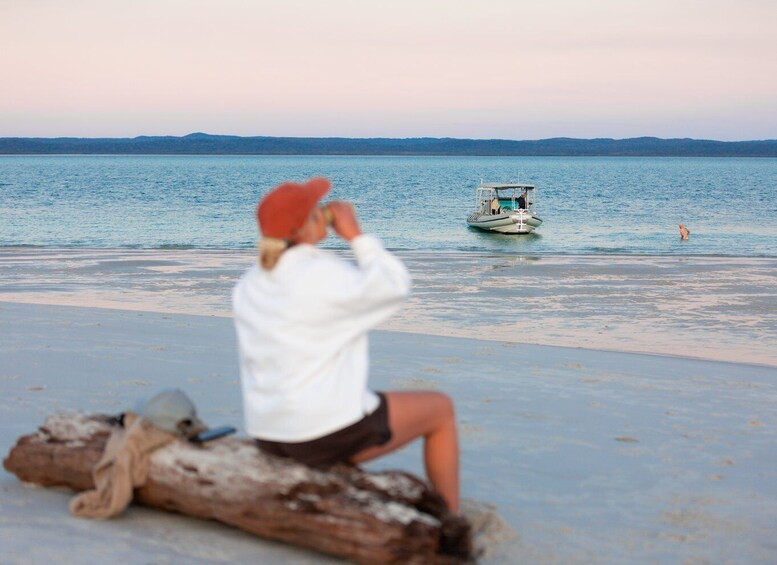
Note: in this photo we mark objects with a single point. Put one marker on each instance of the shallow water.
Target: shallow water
(708, 307)
(590, 205)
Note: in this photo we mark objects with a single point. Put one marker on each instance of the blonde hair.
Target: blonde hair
(270, 251)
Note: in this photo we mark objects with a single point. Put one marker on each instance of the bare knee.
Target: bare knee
(443, 407)
(418, 413)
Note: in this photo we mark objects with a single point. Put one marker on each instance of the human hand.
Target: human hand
(344, 222)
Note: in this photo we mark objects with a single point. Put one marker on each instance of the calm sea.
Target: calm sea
(590, 205)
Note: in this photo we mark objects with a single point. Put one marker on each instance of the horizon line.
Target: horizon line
(234, 136)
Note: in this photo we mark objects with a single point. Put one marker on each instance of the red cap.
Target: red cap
(286, 207)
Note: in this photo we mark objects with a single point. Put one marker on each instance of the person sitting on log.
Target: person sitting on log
(302, 316)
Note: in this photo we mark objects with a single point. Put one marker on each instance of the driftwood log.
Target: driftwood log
(388, 517)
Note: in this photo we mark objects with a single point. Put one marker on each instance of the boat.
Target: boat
(505, 208)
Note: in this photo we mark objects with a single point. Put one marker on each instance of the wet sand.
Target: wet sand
(717, 308)
(588, 455)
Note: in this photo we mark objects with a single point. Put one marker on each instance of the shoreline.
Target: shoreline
(113, 308)
(250, 249)
(687, 307)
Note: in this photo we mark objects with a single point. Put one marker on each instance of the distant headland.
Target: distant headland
(205, 144)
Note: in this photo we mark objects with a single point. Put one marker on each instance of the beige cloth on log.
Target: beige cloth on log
(123, 466)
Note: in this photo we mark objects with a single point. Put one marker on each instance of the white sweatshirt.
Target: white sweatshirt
(302, 337)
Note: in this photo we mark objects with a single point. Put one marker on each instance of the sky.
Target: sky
(481, 69)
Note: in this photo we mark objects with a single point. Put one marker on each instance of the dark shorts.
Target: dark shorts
(339, 446)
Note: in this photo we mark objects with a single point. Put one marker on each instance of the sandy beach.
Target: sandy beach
(613, 369)
(612, 410)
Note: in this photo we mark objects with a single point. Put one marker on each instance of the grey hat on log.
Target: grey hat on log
(172, 411)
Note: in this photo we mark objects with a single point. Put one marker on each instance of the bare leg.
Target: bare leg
(429, 415)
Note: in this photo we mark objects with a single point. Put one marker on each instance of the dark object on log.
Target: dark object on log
(389, 517)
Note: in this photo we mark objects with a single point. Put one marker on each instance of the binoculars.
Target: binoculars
(328, 216)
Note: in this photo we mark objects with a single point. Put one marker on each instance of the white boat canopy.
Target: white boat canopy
(505, 185)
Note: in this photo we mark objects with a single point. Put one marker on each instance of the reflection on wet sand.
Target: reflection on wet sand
(715, 308)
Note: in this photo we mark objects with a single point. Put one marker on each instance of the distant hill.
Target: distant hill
(205, 144)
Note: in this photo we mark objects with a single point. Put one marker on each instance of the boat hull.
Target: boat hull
(508, 223)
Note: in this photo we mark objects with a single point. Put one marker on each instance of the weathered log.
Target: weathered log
(388, 517)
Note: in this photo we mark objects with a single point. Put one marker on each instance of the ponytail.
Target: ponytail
(270, 251)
